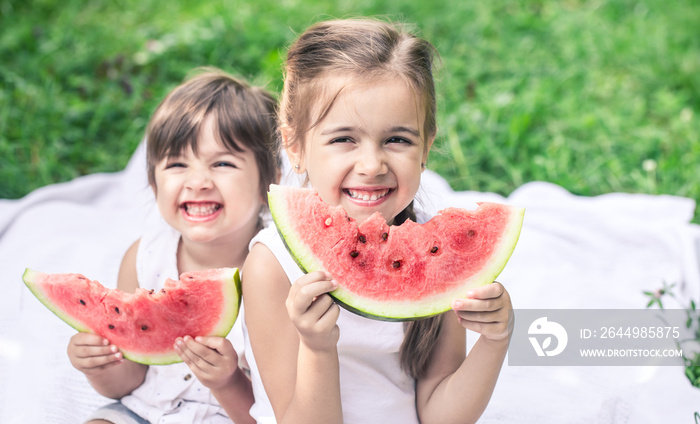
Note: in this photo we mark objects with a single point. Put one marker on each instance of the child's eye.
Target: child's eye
(174, 165)
(341, 140)
(224, 164)
(398, 140)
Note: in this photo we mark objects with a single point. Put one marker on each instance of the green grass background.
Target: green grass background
(596, 96)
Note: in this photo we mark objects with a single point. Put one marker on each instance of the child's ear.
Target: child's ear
(294, 150)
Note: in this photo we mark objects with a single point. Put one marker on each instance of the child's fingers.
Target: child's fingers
(490, 297)
(480, 316)
(329, 317)
(102, 362)
(88, 358)
(219, 349)
(203, 355)
(306, 290)
(317, 311)
(89, 339)
(86, 345)
(206, 351)
(312, 277)
(494, 330)
(486, 310)
(193, 352)
(219, 344)
(493, 325)
(489, 291)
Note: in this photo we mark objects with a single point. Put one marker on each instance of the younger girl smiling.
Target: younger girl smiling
(210, 157)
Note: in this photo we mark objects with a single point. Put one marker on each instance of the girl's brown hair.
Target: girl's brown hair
(361, 50)
(356, 49)
(244, 117)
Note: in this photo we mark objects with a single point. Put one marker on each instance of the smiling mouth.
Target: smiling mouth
(367, 195)
(200, 209)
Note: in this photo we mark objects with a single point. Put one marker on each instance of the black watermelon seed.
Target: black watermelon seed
(116, 309)
(471, 233)
(151, 291)
(82, 302)
(363, 239)
(434, 249)
(396, 264)
(144, 327)
(354, 253)
(385, 236)
(111, 327)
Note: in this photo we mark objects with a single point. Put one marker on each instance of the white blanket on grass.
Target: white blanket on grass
(574, 252)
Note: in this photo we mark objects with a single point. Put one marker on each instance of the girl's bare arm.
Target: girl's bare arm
(457, 388)
(301, 377)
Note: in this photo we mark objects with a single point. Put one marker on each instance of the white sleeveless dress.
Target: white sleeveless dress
(373, 387)
(171, 393)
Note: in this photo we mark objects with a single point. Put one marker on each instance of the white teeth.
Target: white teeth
(366, 196)
(201, 209)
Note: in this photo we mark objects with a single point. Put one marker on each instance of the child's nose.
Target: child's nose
(371, 162)
(198, 179)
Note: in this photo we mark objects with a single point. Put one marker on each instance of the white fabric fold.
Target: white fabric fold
(574, 252)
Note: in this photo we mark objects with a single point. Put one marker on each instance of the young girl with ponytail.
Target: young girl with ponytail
(357, 116)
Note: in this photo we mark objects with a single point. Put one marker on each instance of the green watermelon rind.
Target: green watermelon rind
(302, 255)
(395, 311)
(30, 278)
(231, 297)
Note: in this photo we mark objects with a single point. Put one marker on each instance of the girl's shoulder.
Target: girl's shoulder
(267, 236)
(268, 252)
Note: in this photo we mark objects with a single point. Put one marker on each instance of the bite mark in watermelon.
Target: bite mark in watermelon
(145, 324)
(396, 273)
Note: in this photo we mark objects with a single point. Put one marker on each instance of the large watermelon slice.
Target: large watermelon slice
(396, 273)
(144, 324)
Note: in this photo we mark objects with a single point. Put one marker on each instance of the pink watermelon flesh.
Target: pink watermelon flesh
(145, 324)
(402, 272)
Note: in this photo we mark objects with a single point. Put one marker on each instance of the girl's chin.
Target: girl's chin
(199, 236)
(362, 215)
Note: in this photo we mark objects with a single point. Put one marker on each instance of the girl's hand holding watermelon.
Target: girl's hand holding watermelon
(313, 311)
(91, 353)
(487, 311)
(213, 360)
(104, 365)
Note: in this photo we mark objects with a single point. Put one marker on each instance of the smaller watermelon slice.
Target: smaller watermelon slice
(396, 273)
(144, 325)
